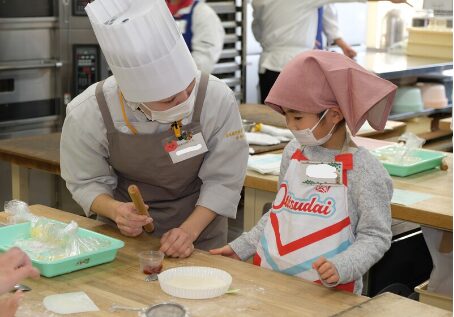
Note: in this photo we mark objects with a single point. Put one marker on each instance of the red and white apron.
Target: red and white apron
(307, 221)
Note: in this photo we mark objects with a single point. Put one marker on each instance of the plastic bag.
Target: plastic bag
(49, 240)
(402, 152)
(18, 212)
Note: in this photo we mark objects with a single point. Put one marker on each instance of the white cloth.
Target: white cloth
(285, 28)
(282, 134)
(84, 147)
(441, 277)
(257, 138)
(208, 36)
(265, 163)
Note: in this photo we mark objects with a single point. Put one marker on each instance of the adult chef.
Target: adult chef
(158, 123)
(202, 31)
(285, 28)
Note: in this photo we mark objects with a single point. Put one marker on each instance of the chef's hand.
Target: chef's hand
(177, 243)
(225, 251)
(128, 219)
(10, 304)
(326, 270)
(15, 266)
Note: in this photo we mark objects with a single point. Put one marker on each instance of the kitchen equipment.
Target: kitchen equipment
(422, 18)
(433, 95)
(248, 125)
(430, 42)
(136, 197)
(151, 278)
(166, 310)
(195, 282)
(9, 234)
(20, 287)
(419, 160)
(159, 310)
(393, 26)
(408, 99)
(151, 262)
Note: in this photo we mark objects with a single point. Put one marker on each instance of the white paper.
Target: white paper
(69, 303)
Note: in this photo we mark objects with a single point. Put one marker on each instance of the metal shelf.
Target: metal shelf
(426, 112)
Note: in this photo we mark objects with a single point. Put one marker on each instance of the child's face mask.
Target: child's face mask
(306, 136)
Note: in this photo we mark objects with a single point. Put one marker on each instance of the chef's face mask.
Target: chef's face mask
(176, 113)
(307, 137)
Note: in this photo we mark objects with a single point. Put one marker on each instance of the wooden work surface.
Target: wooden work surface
(391, 305)
(41, 152)
(434, 212)
(262, 292)
(445, 124)
(263, 114)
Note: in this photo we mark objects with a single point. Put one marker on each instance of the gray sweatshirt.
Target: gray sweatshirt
(369, 198)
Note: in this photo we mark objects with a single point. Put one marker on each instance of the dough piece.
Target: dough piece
(196, 282)
(69, 303)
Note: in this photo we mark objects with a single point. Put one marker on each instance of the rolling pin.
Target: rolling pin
(137, 199)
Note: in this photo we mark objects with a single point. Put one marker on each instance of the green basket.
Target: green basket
(9, 234)
(428, 160)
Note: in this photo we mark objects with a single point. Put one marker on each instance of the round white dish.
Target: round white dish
(195, 282)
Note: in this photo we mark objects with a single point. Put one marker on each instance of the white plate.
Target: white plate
(195, 282)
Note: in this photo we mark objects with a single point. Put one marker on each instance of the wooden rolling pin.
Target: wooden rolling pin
(137, 199)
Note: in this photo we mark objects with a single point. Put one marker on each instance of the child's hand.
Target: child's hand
(225, 251)
(326, 270)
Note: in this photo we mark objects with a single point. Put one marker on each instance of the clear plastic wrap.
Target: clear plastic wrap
(401, 153)
(18, 212)
(50, 240)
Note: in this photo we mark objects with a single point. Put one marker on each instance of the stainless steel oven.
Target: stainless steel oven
(83, 62)
(29, 68)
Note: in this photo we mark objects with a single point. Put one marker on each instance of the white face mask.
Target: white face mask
(173, 114)
(306, 137)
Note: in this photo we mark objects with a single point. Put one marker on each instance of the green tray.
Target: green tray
(11, 233)
(429, 160)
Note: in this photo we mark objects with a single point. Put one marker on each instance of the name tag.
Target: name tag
(321, 173)
(185, 149)
(182, 25)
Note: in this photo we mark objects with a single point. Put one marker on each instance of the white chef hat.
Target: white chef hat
(143, 47)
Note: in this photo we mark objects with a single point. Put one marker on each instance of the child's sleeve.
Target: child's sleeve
(372, 196)
(245, 245)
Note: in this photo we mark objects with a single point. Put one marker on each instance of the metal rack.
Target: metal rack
(231, 65)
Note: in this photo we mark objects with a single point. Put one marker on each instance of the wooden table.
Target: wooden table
(264, 114)
(39, 152)
(435, 212)
(262, 292)
(445, 124)
(391, 305)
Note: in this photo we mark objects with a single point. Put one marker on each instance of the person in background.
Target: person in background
(284, 29)
(202, 31)
(160, 124)
(331, 218)
(15, 266)
(330, 27)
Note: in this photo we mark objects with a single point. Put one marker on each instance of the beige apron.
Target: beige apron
(171, 190)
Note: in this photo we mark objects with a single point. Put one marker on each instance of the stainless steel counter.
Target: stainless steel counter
(392, 66)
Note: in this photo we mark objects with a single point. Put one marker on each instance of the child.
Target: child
(329, 233)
